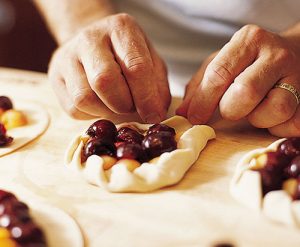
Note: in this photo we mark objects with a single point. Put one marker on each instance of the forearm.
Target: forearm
(65, 17)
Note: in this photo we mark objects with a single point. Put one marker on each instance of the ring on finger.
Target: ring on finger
(289, 88)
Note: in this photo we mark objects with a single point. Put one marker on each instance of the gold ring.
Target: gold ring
(289, 88)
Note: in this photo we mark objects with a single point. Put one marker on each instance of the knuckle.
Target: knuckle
(255, 32)
(102, 81)
(282, 56)
(252, 33)
(219, 75)
(246, 90)
(121, 20)
(81, 98)
(88, 37)
(137, 65)
(282, 108)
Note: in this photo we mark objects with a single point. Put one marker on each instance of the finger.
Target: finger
(104, 75)
(83, 97)
(250, 87)
(192, 86)
(160, 72)
(132, 53)
(289, 128)
(66, 101)
(234, 57)
(278, 107)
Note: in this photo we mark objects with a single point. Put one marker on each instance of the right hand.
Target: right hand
(110, 67)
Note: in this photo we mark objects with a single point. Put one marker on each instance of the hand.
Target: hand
(110, 67)
(240, 79)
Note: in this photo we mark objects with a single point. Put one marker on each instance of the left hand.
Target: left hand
(240, 79)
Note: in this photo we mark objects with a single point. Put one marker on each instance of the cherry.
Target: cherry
(98, 147)
(276, 161)
(5, 140)
(130, 151)
(5, 103)
(157, 143)
(270, 180)
(156, 128)
(129, 135)
(272, 172)
(290, 147)
(103, 129)
(27, 233)
(293, 169)
(2, 129)
(5, 195)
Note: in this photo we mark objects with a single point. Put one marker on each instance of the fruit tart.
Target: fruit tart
(268, 179)
(20, 125)
(17, 229)
(134, 157)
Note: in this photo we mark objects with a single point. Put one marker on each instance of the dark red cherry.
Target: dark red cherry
(293, 169)
(98, 147)
(2, 129)
(5, 103)
(157, 143)
(26, 233)
(130, 151)
(159, 128)
(129, 135)
(290, 147)
(5, 195)
(5, 140)
(270, 179)
(103, 129)
(276, 161)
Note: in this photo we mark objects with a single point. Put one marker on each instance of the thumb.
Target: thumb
(192, 85)
(189, 92)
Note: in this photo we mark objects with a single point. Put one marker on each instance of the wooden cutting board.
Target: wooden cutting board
(198, 211)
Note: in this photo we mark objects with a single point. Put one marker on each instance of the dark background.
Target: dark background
(24, 40)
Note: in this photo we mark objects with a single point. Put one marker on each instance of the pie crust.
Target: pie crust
(167, 169)
(246, 188)
(38, 121)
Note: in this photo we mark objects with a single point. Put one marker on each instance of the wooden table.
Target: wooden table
(199, 211)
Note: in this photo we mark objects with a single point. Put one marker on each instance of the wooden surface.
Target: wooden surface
(199, 211)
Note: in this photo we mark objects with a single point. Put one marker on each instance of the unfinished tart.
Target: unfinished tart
(17, 229)
(133, 157)
(20, 125)
(269, 180)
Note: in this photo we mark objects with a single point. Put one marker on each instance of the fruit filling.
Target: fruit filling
(127, 145)
(280, 169)
(9, 119)
(17, 229)
(4, 139)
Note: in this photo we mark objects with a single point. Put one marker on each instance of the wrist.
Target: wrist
(66, 18)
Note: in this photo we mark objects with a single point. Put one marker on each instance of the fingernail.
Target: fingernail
(152, 118)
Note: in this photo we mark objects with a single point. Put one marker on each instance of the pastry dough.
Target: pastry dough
(59, 228)
(246, 188)
(38, 121)
(167, 169)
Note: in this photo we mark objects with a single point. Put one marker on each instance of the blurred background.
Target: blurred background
(24, 40)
